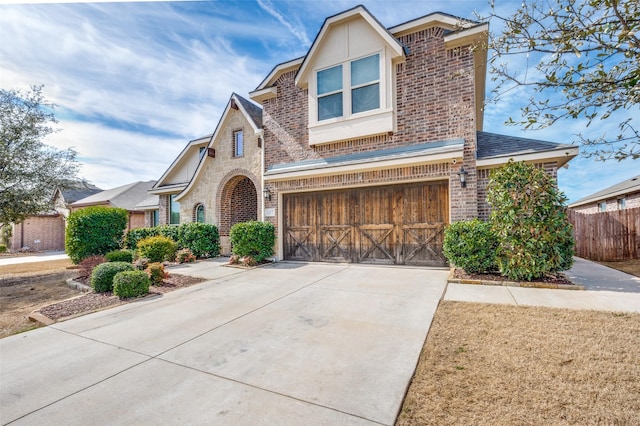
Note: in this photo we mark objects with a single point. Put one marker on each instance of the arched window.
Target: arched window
(199, 213)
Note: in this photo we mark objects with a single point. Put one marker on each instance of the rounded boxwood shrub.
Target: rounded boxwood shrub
(255, 239)
(130, 284)
(201, 238)
(102, 275)
(471, 245)
(3, 248)
(120, 256)
(157, 249)
(94, 230)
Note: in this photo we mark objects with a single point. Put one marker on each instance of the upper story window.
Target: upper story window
(202, 151)
(361, 76)
(602, 207)
(330, 93)
(238, 143)
(622, 203)
(365, 84)
(174, 210)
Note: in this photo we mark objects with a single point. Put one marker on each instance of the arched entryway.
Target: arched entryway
(238, 202)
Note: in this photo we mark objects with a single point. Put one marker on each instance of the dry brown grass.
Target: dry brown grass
(631, 266)
(496, 365)
(34, 267)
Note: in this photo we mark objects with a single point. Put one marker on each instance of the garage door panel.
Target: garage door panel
(377, 244)
(336, 243)
(422, 244)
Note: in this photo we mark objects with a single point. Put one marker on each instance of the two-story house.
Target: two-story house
(374, 142)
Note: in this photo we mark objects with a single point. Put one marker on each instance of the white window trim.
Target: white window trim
(350, 126)
(235, 143)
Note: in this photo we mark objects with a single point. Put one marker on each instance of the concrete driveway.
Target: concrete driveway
(286, 344)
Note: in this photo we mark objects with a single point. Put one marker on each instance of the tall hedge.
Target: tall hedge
(201, 238)
(94, 230)
(528, 216)
(255, 239)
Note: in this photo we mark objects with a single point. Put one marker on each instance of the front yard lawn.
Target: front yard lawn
(494, 364)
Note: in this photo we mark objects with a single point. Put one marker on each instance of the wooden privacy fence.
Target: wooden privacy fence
(607, 236)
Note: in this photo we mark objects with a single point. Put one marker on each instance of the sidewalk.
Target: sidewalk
(566, 299)
(597, 277)
(54, 255)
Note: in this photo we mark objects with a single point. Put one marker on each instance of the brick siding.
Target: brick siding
(47, 229)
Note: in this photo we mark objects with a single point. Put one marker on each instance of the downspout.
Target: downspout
(261, 195)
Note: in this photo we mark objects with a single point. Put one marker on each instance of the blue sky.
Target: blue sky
(134, 82)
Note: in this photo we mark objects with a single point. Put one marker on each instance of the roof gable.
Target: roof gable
(253, 115)
(337, 21)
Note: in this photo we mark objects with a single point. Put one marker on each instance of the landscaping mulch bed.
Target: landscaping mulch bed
(92, 302)
(549, 279)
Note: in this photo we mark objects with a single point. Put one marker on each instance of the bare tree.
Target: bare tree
(588, 66)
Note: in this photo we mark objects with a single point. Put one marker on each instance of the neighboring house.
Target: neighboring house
(374, 142)
(217, 178)
(623, 195)
(151, 208)
(45, 232)
(126, 197)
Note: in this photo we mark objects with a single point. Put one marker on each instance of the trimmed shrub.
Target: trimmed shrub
(130, 284)
(120, 256)
(157, 249)
(87, 265)
(3, 248)
(529, 218)
(94, 230)
(471, 245)
(201, 238)
(185, 256)
(156, 273)
(141, 263)
(102, 275)
(255, 239)
(134, 236)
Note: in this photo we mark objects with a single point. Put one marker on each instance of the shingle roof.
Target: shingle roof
(491, 145)
(150, 203)
(125, 196)
(78, 190)
(254, 111)
(628, 186)
(370, 156)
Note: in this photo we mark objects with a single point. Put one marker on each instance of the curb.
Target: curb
(78, 285)
(524, 284)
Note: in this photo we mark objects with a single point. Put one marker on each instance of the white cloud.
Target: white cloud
(296, 28)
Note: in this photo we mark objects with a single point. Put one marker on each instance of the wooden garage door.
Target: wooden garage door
(399, 224)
